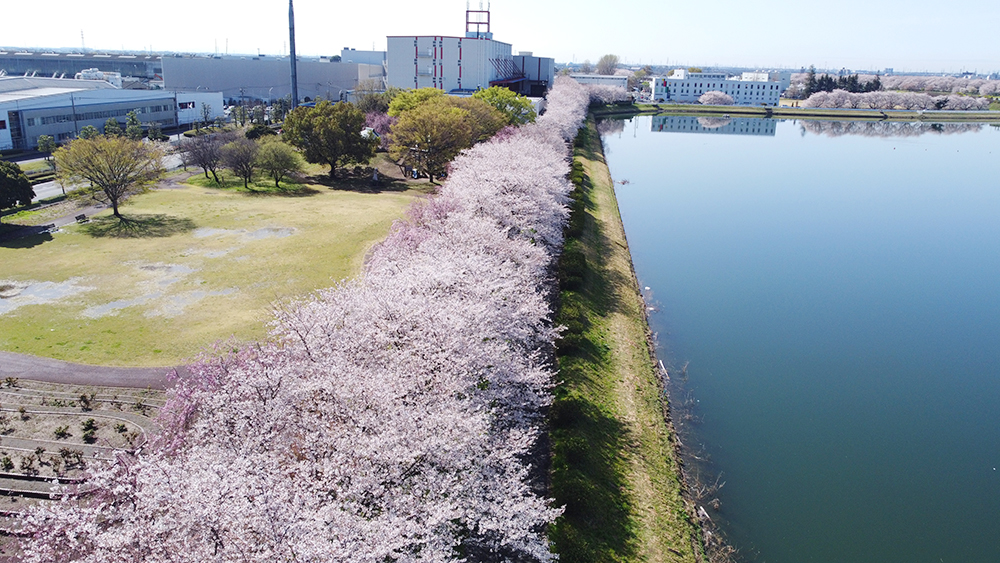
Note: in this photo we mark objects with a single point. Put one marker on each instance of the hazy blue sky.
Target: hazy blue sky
(910, 35)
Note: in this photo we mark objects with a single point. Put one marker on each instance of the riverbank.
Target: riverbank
(615, 461)
(798, 113)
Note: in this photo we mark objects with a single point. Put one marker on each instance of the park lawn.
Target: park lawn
(204, 265)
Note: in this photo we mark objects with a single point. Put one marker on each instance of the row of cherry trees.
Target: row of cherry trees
(390, 418)
(953, 84)
(894, 100)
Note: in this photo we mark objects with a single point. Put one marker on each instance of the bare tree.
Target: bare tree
(205, 151)
(240, 156)
(608, 64)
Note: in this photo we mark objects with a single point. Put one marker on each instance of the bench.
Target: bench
(82, 218)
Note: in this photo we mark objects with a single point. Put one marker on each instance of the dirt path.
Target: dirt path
(56, 371)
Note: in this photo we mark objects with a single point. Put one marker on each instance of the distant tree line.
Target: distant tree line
(827, 83)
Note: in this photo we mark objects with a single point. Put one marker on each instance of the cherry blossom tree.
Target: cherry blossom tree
(388, 418)
(715, 98)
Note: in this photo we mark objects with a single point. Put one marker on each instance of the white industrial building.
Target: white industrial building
(465, 64)
(30, 107)
(601, 80)
(748, 89)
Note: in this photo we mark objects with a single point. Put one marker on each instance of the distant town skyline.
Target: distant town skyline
(917, 35)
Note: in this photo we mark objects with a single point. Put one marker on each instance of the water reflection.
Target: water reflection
(717, 125)
(886, 128)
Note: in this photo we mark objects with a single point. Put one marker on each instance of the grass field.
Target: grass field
(196, 265)
(614, 464)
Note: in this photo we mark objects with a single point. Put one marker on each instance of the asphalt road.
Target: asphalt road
(56, 371)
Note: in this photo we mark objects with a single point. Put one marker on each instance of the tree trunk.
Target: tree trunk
(214, 176)
(114, 206)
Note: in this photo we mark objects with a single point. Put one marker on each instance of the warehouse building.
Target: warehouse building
(265, 78)
(60, 108)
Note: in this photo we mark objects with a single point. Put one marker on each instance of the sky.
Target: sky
(915, 35)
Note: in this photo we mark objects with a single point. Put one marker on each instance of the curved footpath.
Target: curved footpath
(24, 366)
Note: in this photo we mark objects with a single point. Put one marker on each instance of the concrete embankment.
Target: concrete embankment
(615, 460)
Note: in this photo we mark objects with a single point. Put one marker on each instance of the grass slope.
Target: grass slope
(198, 265)
(614, 463)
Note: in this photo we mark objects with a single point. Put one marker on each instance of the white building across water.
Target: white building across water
(748, 89)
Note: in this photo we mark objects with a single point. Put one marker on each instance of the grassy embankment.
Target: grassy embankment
(797, 113)
(614, 465)
(198, 264)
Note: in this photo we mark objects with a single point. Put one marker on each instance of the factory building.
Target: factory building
(265, 78)
(748, 89)
(60, 108)
(461, 65)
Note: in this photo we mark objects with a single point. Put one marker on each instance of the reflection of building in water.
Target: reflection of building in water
(718, 125)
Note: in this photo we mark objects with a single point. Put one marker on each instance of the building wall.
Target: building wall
(607, 80)
(376, 58)
(446, 63)
(539, 71)
(685, 86)
(260, 78)
(5, 141)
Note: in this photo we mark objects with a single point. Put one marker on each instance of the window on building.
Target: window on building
(31, 122)
(3, 125)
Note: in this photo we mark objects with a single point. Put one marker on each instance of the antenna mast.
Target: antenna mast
(476, 20)
(291, 42)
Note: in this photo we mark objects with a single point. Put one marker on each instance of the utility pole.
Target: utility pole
(291, 41)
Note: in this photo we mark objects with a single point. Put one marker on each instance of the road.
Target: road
(57, 371)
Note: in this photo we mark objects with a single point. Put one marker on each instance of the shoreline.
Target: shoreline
(800, 113)
(616, 460)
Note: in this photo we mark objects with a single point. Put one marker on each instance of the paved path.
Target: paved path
(56, 371)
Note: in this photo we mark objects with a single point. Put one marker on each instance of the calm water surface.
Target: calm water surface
(837, 294)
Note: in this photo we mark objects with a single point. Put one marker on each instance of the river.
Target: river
(834, 289)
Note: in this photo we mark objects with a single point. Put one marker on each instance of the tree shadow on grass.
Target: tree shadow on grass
(348, 182)
(294, 190)
(138, 226)
(24, 237)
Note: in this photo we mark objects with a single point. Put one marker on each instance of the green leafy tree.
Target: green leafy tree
(811, 87)
(608, 64)
(330, 134)
(278, 159)
(484, 119)
(429, 136)
(156, 132)
(89, 132)
(112, 128)
(112, 168)
(133, 127)
(47, 145)
(516, 108)
(15, 189)
(410, 99)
